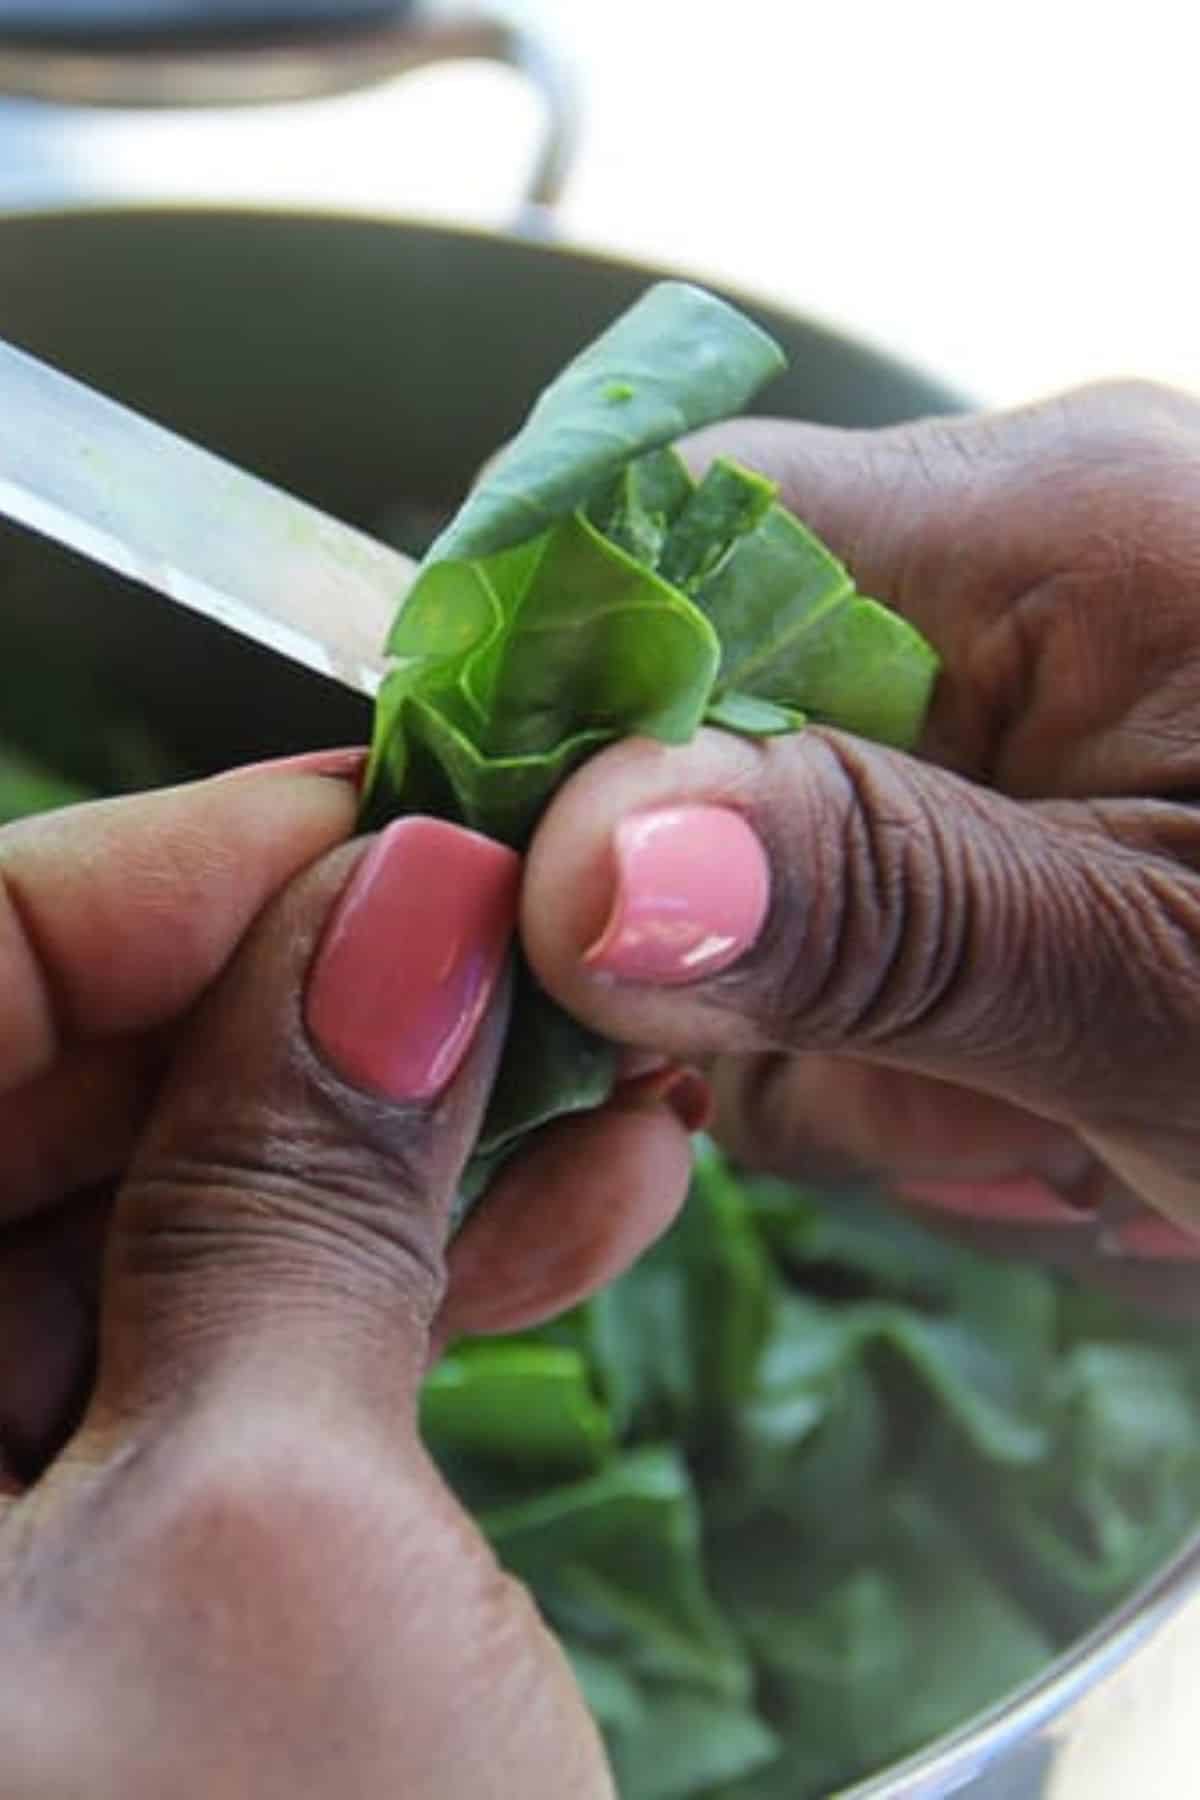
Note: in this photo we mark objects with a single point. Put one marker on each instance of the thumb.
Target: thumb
(283, 1221)
(817, 893)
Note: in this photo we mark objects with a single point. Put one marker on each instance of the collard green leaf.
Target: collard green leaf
(617, 1559)
(794, 631)
(898, 1649)
(678, 359)
(686, 1743)
(26, 787)
(861, 1484)
(552, 1066)
(614, 1697)
(589, 589)
(560, 635)
(519, 666)
(750, 716)
(528, 1405)
(639, 1341)
(728, 503)
(1119, 1490)
(729, 1288)
(637, 508)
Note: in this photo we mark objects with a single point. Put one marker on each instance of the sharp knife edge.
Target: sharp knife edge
(93, 475)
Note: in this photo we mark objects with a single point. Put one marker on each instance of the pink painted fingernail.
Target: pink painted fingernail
(1024, 1200)
(344, 765)
(692, 889)
(412, 956)
(1153, 1239)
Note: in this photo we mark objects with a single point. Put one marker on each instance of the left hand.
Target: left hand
(227, 1565)
(115, 918)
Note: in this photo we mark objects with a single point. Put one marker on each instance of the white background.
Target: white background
(1005, 193)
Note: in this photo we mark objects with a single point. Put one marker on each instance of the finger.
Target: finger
(76, 1125)
(577, 1209)
(821, 1117)
(997, 534)
(281, 1230)
(816, 893)
(115, 916)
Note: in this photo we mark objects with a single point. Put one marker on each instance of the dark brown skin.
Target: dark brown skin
(238, 1574)
(983, 964)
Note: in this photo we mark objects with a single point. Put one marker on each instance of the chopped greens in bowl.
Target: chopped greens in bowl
(808, 1487)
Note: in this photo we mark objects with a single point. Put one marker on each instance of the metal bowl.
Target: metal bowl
(354, 360)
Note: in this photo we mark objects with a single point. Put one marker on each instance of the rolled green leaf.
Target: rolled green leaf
(678, 359)
(589, 589)
(816, 1486)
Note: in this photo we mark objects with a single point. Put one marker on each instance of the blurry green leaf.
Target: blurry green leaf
(613, 1695)
(26, 787)
(617, 1558)
(1120, 1488)
(529, 1405)
(685, 1743)
(897, 1650)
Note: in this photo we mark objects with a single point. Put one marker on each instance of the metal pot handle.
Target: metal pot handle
(303, 66)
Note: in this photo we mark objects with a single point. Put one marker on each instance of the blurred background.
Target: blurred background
(1003, 195)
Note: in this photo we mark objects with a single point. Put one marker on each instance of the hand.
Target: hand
(114, 920)
(226, 1565)
(977, 973)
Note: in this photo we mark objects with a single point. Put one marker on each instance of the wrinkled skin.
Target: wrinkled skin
(241, 1575)
(980, 976)
(227, 1567)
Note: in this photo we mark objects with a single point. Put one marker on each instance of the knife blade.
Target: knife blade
(121, 490)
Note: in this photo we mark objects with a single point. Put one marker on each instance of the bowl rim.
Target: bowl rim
(945, 1764)
(536, 236)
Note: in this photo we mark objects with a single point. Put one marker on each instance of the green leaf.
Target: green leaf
(753, 717)
(614, 1697)
(863, 1483)
(794, 631)
(529, 1405)
(678, 359)
(728, 503)
(552, 1066)
(910, 1642)
(729, 1287)
(636, 509)
(26, 787)
(685, 1744)
(1120, 1490)
(519, 665)
(867, 671)
(616, 1560)
(639, 1340)
(589, 590)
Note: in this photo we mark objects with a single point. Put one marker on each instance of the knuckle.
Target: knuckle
(867, 869)
(1130, 407)
(262, 1200)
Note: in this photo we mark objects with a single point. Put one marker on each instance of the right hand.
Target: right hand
(979, 971)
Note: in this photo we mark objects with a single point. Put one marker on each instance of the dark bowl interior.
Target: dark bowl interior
(357, 362)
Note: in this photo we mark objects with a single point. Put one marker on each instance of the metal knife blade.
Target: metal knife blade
(123, 491)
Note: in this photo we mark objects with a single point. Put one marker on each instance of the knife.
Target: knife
(93, 475)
